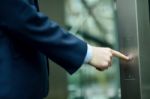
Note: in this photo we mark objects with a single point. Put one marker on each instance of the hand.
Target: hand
(102, 57)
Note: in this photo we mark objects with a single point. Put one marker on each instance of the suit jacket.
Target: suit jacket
(27, 38)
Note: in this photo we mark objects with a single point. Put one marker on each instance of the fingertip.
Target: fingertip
(130, 57)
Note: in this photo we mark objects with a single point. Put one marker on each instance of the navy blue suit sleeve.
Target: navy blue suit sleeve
(25, 23)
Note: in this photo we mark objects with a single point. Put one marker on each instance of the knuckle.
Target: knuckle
(111, 55)
(109, 59)
(105, 64)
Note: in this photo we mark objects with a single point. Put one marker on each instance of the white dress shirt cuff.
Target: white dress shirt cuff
(88, 54)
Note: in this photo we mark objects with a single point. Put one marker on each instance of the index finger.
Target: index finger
(120, 55)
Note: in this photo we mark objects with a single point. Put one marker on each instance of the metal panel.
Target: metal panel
(144, 47)
(134, 38)
(128, 42)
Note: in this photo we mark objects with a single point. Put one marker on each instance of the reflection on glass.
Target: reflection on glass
(93, 21)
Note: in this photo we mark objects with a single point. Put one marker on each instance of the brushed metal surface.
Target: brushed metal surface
(144, 47)
(134, 40)
(128, 42)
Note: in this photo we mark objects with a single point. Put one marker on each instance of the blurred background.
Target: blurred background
(95, 22)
